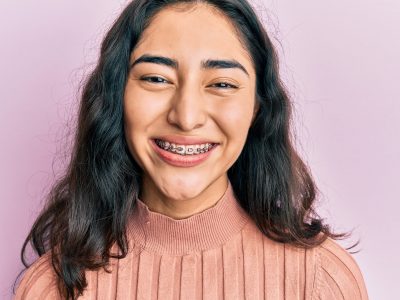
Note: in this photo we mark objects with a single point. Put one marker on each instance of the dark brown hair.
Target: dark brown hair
(88, 208)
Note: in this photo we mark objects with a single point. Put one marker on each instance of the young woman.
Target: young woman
(184, 182)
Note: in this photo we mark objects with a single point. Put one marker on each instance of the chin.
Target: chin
(183, 188)
(180, 196)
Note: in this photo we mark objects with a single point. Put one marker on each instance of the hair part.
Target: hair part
(88, 208)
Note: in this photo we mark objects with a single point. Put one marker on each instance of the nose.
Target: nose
(187, 109)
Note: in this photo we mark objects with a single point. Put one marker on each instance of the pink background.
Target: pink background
(339, 59)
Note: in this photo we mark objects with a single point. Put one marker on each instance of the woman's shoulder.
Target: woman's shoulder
(338, 275)
(39, 281)
(326, 271)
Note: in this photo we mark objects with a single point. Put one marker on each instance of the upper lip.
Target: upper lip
(184, 140)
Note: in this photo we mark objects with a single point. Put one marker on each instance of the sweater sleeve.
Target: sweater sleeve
(338, 275)
(39, 281)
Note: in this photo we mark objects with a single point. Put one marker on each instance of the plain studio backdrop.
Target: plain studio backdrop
(339, 60)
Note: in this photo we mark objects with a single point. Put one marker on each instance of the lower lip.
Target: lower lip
(178, 160)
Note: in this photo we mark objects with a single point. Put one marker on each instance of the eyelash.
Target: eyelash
(152, 77)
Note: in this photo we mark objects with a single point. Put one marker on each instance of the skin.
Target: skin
(188, 101)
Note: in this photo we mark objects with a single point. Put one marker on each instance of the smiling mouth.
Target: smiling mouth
(184, 150)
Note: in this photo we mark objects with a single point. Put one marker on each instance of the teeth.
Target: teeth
(184, 149)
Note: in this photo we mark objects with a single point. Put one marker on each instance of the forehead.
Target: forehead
(191, 35)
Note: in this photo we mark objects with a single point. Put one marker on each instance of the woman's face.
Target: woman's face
(213, 103)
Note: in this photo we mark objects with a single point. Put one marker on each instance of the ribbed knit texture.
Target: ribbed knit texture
(216, 254)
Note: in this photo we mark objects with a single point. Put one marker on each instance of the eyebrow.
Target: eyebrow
(205, 64)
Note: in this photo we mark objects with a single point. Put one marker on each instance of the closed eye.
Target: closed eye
(154, 79)
(225, 85)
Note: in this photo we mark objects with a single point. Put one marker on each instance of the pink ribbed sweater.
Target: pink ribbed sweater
(218, 253)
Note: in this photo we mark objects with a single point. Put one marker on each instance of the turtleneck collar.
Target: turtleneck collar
(205, 230)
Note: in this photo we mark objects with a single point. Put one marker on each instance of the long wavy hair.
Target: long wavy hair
(88, 207)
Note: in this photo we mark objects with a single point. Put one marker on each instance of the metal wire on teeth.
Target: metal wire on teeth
(161, 143)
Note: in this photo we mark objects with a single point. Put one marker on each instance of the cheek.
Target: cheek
(236, 119)
(135, 119)
(140, 110)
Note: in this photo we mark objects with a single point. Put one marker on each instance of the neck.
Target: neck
(181, 205)
(159, 233)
